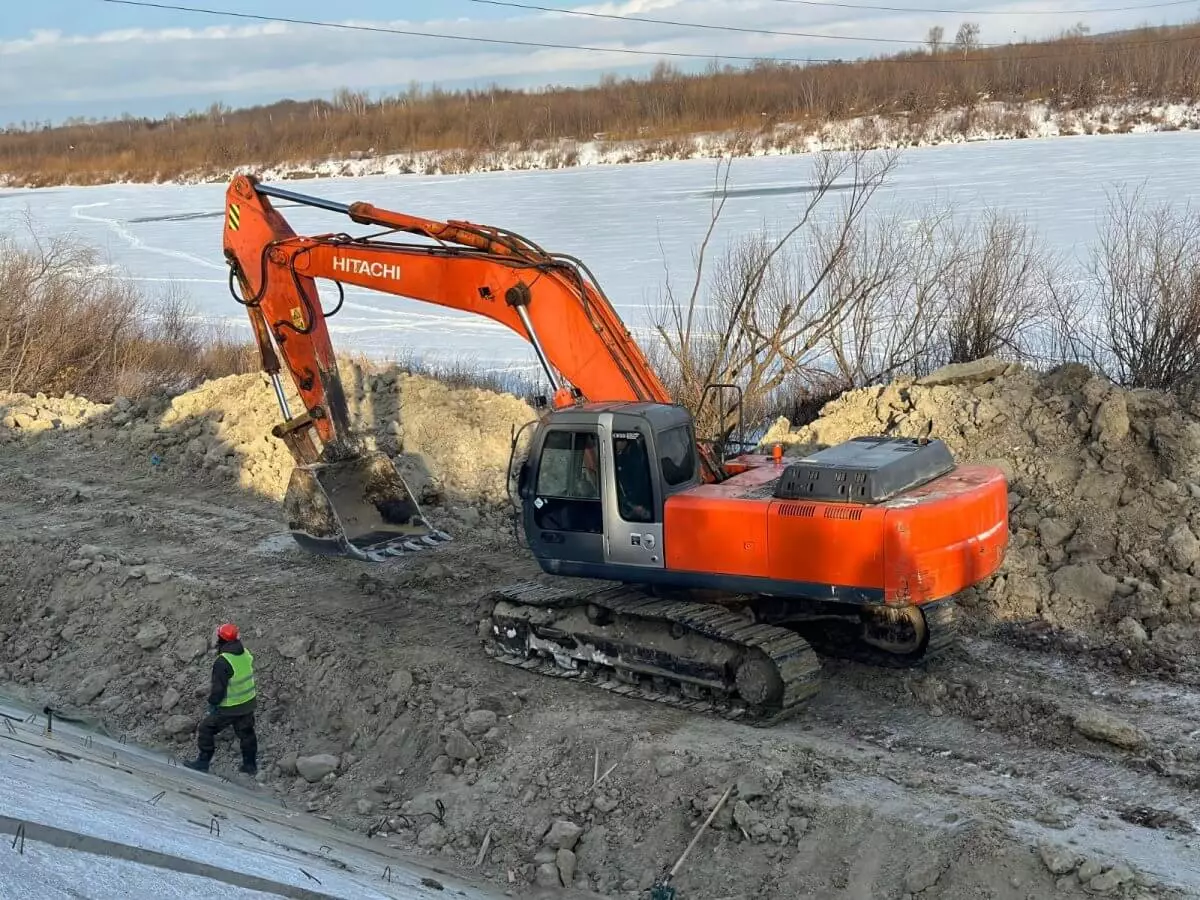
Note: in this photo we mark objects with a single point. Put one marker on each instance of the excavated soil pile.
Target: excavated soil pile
(449, 443)
(1103, 489)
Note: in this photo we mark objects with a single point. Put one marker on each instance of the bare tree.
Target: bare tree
(935, 38)
(767, 309)
(967, 38)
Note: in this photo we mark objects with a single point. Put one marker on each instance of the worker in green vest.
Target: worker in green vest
(230, 703)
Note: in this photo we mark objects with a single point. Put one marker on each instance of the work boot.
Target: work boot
(199, 764)
(249, 768)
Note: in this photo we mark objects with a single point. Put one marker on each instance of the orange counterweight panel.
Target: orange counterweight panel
(946, 536)
(838, 544)
(707, 530)
(927, 544)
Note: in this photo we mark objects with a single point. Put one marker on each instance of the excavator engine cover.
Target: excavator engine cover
(865, 470)
(359, 507)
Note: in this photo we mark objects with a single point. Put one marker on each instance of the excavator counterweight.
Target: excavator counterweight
(719, 579)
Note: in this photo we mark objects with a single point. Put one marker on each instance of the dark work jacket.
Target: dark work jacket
(222, 671)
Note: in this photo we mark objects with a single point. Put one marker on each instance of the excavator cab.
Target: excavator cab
(595, 482)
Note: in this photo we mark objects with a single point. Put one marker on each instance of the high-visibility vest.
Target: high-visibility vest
(241, 683)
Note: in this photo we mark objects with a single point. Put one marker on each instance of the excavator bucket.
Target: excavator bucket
(358, 507)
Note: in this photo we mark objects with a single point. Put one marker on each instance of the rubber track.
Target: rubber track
(798, 665)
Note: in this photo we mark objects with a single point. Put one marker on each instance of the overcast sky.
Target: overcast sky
(62, 58)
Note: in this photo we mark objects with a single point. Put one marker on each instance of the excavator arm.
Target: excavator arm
(550, 300)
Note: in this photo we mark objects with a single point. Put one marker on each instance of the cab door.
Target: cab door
(633, 501)
(561, 491)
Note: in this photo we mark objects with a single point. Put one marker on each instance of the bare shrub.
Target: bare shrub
(67, 325)
(999, 282)
(859, 300)
(766, 311)
(893, 279)
(1136, 317)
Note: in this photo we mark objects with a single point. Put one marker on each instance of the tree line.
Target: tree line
(1072, 72)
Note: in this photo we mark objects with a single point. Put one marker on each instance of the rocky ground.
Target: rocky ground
(1054, 754)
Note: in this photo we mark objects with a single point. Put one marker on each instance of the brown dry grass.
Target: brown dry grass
(1072, 73)
(69, 326)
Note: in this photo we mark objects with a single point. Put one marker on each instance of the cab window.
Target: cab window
(568, 484)
(635, 491)
(677, 455)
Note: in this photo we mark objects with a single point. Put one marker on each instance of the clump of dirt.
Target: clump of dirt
(1103, 489)
(22, 415)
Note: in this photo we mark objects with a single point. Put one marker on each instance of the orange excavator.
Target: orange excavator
(680, 574)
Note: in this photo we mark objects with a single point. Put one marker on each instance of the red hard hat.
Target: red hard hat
(227, 632)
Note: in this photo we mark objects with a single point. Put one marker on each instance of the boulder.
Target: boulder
(313, 768)
(563, 835)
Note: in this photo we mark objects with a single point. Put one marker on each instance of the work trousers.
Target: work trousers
(242, 723)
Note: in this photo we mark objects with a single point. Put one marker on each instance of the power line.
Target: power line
(969, 13)
(543, 45)
(707, 27)
(512, 4)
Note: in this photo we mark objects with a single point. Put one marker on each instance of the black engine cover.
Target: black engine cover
(865, 470)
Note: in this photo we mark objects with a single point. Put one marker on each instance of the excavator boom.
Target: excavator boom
(549, 300)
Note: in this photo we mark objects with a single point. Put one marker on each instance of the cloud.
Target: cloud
(146, 69)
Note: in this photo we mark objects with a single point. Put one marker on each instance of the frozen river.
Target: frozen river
(628, 223)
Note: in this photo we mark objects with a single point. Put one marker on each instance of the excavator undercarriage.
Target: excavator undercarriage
(727, 659)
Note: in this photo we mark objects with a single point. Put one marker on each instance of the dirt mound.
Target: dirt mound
(1103, 489)
(451, 443)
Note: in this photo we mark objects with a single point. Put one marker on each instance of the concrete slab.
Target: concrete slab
(100, 819)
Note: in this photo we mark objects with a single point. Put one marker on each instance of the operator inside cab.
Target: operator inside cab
(635, 495)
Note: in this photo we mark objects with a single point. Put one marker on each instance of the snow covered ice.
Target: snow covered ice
(127, 823)
(631, 224)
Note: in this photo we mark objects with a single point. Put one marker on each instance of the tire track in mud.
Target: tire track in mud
(1044, 761)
